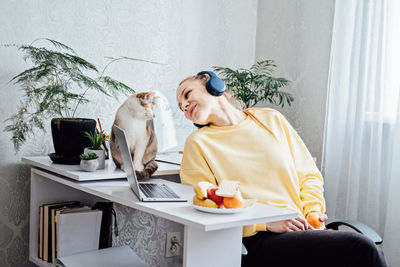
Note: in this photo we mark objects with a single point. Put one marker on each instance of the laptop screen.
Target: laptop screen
(127, 159)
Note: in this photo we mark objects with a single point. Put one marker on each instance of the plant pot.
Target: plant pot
(101, 154)
(89, 165)
(69, 138)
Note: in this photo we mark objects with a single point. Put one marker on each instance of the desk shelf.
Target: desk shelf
(199, 228)
(109, 172)
(45, 191)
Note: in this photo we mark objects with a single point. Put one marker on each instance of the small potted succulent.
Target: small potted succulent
(97, 139)
(89, 162)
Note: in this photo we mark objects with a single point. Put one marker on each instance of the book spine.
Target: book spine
(46, 233)
(53, 236)
(40, 245)
(56, 233)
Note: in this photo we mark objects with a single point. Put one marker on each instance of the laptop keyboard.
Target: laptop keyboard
(157, 191)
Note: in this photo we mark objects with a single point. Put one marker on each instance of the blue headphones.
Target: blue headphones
(215, 86)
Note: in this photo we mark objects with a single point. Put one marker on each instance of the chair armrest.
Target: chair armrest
(244, 250)
(359, 227)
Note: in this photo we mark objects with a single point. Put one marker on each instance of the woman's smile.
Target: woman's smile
(192, 110)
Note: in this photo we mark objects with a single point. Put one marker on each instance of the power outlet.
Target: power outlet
(173, 245)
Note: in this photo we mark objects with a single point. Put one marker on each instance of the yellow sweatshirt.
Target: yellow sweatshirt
(265, 154)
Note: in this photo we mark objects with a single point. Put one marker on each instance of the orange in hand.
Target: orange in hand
(314, 220)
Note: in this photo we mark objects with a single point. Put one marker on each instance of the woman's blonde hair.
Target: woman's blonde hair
(203, 78)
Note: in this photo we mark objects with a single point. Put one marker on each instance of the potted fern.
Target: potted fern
(55, 86)
(254, 85)
(97, 139)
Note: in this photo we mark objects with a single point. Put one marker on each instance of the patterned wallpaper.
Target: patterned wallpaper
(146, 234)
(185, 35)
(14, 214)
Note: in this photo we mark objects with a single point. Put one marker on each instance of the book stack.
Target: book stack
(66, 228)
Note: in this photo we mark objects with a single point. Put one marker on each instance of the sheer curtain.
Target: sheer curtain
(361, 164)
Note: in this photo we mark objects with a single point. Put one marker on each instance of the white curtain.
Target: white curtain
(361, 164)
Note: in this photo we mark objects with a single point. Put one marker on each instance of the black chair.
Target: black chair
(359, 227)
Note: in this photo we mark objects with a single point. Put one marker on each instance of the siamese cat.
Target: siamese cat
(135, 117)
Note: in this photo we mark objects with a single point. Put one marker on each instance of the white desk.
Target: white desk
(109, 172)
(208, 238)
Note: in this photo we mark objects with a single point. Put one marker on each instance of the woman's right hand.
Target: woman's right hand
(290, 225)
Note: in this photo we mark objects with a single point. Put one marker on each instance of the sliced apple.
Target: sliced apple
(217, 199)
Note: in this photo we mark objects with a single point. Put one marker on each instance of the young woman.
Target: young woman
(260, 149)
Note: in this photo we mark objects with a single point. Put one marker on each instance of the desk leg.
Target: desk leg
(212, 248)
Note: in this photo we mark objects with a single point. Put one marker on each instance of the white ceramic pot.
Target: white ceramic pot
(89, 165)
(101, 154)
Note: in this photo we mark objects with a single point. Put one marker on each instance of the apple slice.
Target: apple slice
(217, 199)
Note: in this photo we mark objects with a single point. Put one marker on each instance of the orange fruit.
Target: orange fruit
(234, 202)
(314, 220)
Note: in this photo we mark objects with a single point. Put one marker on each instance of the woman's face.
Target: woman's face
(194, 100)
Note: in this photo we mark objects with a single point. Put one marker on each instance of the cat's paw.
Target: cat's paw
(138, 167)
(151, 167)
(143, 174)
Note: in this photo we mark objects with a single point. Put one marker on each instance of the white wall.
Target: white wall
(297, 35)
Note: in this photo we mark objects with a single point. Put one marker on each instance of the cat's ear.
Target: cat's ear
(151, 95)
(141, 95)
(145, 95)
(154, 98)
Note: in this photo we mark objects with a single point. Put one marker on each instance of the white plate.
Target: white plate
(247, 204)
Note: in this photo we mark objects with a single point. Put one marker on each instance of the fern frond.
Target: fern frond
(134, 59)
(78, 61)
(19, 130)
(88, 82)
(60, 45)
(115, 86)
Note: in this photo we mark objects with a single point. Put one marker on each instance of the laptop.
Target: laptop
(145, 191)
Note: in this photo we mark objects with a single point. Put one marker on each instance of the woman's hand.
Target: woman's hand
(322, 217)
(291, 225)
